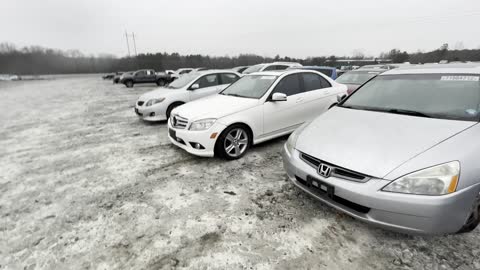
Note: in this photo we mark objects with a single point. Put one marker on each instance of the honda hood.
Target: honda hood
(373, 143)
(216, 106)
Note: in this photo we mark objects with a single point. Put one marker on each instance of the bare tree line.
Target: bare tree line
(38, 60)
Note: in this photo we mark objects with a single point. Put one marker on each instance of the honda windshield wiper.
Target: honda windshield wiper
(387, 110)
(408, 112)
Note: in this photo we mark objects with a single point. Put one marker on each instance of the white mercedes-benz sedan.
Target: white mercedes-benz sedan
(257, 107)
(157, 105)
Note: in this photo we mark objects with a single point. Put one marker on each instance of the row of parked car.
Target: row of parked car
(129, 79)
(393, 147)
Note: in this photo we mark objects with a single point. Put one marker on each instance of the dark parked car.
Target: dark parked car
(108, 76)
(355, 78)
(118, 75)
(146, 76)
(329, 71)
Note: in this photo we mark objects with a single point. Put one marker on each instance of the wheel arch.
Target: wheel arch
(173, 104)
(236, 123)
(241, 123)
(127, 81)
(176, 102)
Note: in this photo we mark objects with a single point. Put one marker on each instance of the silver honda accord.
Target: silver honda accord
(402, 152)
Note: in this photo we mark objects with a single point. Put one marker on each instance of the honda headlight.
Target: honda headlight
(292, 140)
(203, 124)
(154, 101)
(438, 180)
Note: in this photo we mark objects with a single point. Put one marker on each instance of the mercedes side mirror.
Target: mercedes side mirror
(340, 98)
(194, 86)
(279, 97)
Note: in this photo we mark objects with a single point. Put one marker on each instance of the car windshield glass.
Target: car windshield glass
(444, 96)
(183, 80)
(357, 77)
(253, 69)
(253, 86)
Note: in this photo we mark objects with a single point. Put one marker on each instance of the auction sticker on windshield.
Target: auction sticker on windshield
(461, 78)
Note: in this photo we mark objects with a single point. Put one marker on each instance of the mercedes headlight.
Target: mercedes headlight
(154, 101)
(203, 124)
(292, 140)
(437, 180)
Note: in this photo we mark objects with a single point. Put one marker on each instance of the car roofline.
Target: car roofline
(467, 68)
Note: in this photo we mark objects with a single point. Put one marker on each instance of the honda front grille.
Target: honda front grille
(335, 171)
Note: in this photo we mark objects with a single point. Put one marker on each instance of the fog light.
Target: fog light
(152, 114)
(197, 146)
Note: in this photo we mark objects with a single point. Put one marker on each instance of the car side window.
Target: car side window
(290, 85)
(313, 82)
(272, 67)
(325, 83)
(140, 73)
(208, 81)
(149, 72)
(228, 78)
(281, 67)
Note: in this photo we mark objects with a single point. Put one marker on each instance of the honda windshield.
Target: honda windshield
(444, 96)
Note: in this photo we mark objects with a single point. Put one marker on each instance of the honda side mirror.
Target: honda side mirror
(194, 86)
(279, 97)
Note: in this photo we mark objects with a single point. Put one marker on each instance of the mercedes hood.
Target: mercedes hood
(215, 106)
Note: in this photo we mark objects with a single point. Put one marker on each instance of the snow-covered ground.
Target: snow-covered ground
(85, 185)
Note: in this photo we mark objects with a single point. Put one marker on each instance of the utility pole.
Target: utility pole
(134, 44)
(128, 46)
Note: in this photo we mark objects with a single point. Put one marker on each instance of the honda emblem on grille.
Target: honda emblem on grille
(324, 170)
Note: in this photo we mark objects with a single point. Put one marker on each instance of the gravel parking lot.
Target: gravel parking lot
(85, 185)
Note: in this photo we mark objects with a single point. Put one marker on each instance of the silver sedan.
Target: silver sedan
(402, 152)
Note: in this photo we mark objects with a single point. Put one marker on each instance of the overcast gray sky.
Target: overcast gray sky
(296, 28)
